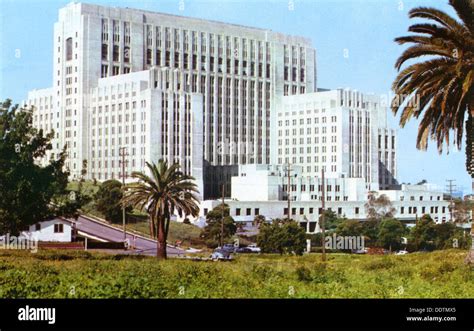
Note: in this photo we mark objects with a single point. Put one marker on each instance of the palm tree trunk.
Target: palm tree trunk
(152, 227)
(470, 157)
(161, 243)
(471, 135)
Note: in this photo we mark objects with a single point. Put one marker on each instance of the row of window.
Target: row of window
(311, 210)
(308, 121)
(412, 198)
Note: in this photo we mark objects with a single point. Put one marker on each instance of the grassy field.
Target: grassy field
(56, 274)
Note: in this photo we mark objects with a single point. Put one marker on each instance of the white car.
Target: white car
(254, 248)
(401, 252)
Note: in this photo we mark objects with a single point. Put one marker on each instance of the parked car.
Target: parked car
(360, 251)
(243, 250)
(229, 248)
(402, 252)
(254, 248)
(221, 255)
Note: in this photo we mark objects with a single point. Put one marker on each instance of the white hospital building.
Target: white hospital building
(234, 105)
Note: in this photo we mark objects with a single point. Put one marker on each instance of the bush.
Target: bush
(282, 237)
(211, 243)
(107, 200)
(426, 235)
(303, 274)
(390, 234)
(213, 230)
(49, 274)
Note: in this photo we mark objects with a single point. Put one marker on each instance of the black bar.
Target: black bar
(192, 314)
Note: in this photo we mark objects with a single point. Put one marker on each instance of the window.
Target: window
(105, 51)
(126, 54)
(249, 211)
(257, 211)
(105, 70)
(237, 211)
(116, 53)
(357, 210)
(58, 228)
(148, 56)
(37, 226)
(69, 49)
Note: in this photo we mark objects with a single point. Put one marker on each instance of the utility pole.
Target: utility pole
(323, 197)
(223, 216)
(288, 188)
(123, 153)
(450, 188)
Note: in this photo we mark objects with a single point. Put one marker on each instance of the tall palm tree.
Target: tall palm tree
(165, 192)
(441, 88)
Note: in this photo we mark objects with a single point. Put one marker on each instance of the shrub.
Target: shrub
(303, 274)
(282, 237)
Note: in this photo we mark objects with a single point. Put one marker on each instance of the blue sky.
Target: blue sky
(363, 30)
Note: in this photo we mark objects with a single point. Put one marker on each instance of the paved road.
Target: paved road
(103, 231)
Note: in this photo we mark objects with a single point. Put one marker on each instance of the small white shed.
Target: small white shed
(58, 229)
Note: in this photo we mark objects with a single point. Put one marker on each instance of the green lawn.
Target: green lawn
(59, 274)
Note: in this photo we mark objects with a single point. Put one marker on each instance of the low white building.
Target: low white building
(262, 190)
(55, 230)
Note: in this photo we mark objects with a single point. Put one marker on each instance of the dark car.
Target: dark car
(221, 255)
(229, 248)
(243, 250)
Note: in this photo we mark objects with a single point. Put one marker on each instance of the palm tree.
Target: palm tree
(441, 88)
(166, 192)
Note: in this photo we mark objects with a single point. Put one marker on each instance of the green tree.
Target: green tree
(29, 192)
(350, 228)
(108, 201)
(370, 231)
(390, 234)
(258, 220)
(423, 234)
(162, 194)
(462, 209)
(282, 236)
(213, 230)
(448, 235)
(440, 89)
(331, 221)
